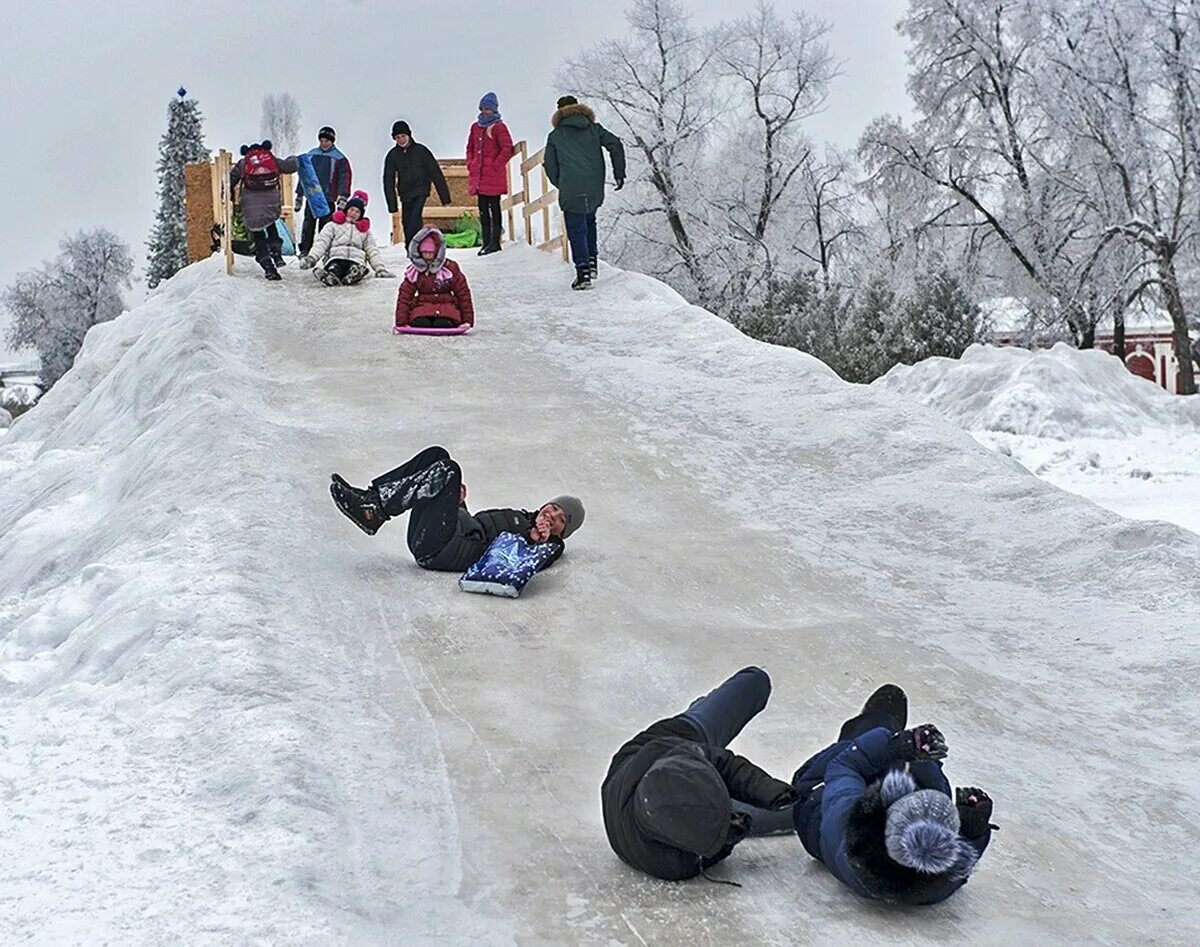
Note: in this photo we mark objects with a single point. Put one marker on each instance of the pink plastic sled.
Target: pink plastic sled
(422, 330)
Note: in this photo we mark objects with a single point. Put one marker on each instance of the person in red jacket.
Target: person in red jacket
(489, 148)
(434, 293)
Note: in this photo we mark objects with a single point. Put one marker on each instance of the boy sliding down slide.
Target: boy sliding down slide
(345, 246)
(876, 809)
(442, 534)
(676, 801)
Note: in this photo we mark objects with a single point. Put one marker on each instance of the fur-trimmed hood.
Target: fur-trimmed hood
(880, 875)
(570, 111)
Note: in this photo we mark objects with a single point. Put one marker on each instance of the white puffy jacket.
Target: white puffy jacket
(346, 242)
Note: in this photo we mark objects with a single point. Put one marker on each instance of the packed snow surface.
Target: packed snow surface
(1075, 418)
(230, 717)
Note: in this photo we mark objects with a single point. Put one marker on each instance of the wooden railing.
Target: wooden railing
(534, 206)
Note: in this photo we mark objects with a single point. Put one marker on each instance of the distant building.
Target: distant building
(1149, 339)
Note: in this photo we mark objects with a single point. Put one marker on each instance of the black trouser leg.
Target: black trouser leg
(485, 222)
(390, 480)
(412, 213)
(275, 239)
(433, 514)
(262, 249)
(308, 232)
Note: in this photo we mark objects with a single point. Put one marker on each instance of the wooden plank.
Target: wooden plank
(453, 210)
(287, 191)
(544, 202)
(223, 167)
(554, 243)
(198, 205)
(532, 161)
(510, 201)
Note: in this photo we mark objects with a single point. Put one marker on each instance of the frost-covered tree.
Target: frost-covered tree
(281, 122)
(656, 88)
(183, 143)
(53, 307)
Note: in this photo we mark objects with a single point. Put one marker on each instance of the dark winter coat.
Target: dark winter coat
(475, 533)
(641, 844)
(841, 818)
(333, 172)
(488, 152)
(574, 160)
(260, 209)
(409, 172)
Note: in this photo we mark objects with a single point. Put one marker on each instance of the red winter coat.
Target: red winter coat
(488, 152)
(428, 298)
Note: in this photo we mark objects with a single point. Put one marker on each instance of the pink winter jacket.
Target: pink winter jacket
(488, 151)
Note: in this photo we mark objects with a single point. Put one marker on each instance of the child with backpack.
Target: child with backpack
(258, 173)
(345, 246)
(434, 293)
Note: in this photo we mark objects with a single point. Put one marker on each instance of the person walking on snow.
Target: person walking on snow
(675, 800)
(258, 173)
(574, 164)
(409, 170)
(334, 173)
(489, 148)
(434, 292)
(443, 535)
(345, 248)
(877, 811)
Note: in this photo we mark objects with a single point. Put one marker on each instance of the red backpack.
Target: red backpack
(261, 172)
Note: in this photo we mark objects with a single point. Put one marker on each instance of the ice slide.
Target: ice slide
(228, 716)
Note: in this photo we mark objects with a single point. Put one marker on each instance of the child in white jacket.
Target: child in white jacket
(345, 246)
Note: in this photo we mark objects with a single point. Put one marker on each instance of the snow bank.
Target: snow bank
(229, 717)
(1061, 393)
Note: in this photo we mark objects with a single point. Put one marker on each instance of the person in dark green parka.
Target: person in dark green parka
(574, 162)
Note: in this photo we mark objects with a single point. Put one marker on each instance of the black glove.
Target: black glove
(784, 800)
(620, 184)
(974, 811)
(920, 743)
(739, 828)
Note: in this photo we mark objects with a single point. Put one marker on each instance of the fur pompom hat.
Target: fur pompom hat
(357, 199)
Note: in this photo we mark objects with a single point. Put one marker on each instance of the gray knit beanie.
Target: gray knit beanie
(573, 510)
(922, 831)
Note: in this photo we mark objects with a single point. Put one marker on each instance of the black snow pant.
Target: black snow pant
(268, 247)
(429, 487)
(489, 221)
(312, 226)
(412, 216)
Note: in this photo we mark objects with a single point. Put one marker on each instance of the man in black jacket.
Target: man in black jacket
(442, 534)
(675, 801)
(408, 171)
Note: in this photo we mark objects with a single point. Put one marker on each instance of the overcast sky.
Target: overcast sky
(86, 85)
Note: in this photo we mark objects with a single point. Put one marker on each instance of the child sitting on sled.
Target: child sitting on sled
(345, 246)
(434, 293)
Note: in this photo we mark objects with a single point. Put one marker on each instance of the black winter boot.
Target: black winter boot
(593, 268)
(269, 272)
(583, 279)
(889, 701)
(355, 274)
(362, 507)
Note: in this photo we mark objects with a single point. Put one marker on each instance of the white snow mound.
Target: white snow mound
(1060, 392)
(230, 717)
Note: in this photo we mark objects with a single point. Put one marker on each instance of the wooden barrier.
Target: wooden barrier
(208, 204)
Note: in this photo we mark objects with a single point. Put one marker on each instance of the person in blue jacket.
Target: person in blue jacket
(877, 811)
(334, 173)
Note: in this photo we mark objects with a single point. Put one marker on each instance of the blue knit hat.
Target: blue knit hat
(922, 831)
(489, 101)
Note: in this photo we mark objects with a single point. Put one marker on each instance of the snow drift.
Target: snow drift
(1060, 392)
(228, 716)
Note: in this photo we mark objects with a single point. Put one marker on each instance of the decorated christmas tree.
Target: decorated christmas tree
(182, 144)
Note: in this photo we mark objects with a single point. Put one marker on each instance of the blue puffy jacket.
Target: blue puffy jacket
(840, 819)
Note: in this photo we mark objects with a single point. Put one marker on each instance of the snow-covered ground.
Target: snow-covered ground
(1077, 419)
(229, 717)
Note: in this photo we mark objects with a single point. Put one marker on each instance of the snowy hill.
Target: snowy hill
(1077, 419)
(228, 716)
